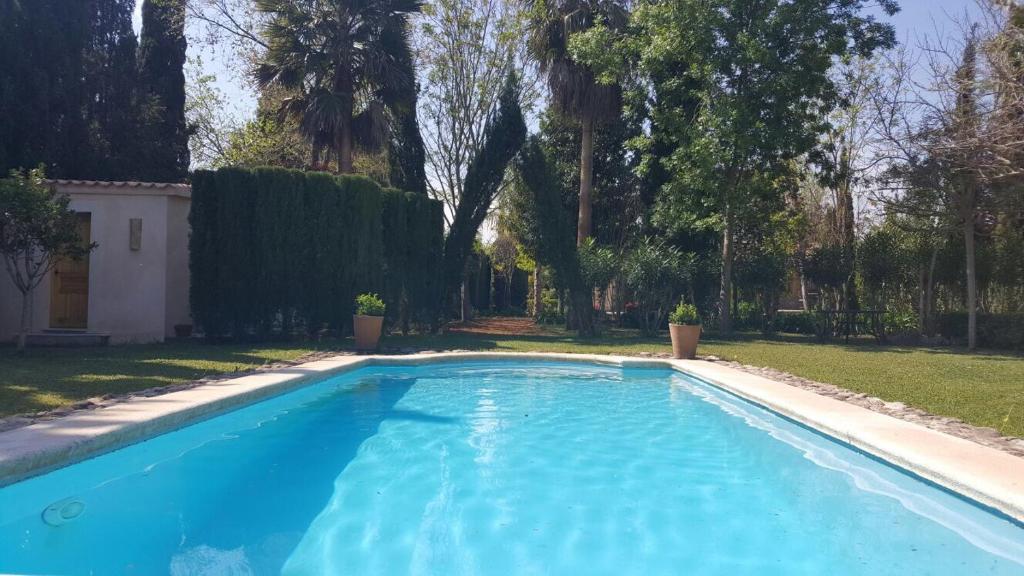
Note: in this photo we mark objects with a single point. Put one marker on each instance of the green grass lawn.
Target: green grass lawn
(986, 388)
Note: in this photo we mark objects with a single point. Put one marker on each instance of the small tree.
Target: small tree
(37, 229)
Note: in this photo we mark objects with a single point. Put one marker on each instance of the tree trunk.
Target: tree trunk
(972, 286)
(929, 297)
(538, 292)
(315, 160)
(725, 292)
(803, 292)
(23, 333)
(465, 304)
(345, 149)
(922, 302)
(582, 312)
(586, 180)
(849, 240)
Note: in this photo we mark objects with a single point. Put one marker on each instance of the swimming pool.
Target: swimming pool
(508, 467)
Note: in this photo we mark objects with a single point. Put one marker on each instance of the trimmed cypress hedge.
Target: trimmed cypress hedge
(273, 250)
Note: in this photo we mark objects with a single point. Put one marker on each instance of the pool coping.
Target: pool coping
(987, 475)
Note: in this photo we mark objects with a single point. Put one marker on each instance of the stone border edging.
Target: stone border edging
(987, 475)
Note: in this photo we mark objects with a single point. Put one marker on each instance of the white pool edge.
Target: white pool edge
(986, 475)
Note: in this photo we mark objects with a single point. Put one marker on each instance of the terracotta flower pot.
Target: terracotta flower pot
(684, 340)
(367, 329)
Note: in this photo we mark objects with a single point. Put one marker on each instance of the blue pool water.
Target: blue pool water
(498, 468)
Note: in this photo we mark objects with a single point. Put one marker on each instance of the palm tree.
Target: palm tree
(575, 92)
(347, 64)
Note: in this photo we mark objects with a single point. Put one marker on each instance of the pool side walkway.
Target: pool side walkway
(989, 476)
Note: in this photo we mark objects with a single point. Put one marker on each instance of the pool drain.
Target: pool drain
(64, 511)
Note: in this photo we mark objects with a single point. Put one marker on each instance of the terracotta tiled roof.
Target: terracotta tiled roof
(104, 184)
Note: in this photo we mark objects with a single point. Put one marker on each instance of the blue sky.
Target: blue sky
(917, 19)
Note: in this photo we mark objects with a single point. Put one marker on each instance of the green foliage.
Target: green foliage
(36, 230)
(895, 322)
(599, 264)
(1004, 331)
(67, 88)
(163, 145)
(742, 91)
(275, 249)
(618, 205)
(827, 266)
(796, 323)
(264, 141)
(655, 272)
(685, 314)
(369, 305)
(885, 264)
(749, 316)
(552, 231)
(575, 90)
(344, 78)
(550, 313)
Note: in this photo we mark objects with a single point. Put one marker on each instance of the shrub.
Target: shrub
(369, 305)
(654, 271)
(899, 322)
(685, 314)
(827, 266)
(549, 308)
(796, 323)
(1004, 331)
(599, 264)
(749, 316)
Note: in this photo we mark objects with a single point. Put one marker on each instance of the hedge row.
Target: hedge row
(1005, 331)
(275, 250)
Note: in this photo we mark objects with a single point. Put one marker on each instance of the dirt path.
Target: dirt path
(499, 325)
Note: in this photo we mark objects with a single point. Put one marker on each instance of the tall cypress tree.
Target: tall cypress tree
(110, 78)
(41, 94)
(67, 79)
(163, 149)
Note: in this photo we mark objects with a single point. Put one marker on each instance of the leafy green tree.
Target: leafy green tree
(576, 91)
(749, 92)
(37, 229)
(347, 65)
(265, 141)
(163, 149)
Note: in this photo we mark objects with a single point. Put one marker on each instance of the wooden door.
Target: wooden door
(69, 289)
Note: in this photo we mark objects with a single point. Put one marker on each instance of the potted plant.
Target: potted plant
(368, 321)
(684, 327)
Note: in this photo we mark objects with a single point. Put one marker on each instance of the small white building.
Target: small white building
(133, 287)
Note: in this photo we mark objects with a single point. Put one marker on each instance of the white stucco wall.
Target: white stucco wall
(134, 295)
(177, 310)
